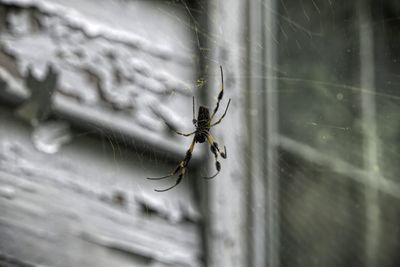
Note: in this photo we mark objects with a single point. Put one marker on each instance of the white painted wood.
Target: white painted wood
(108, 64)
(227, 198)
(119, 75)
(57, 209)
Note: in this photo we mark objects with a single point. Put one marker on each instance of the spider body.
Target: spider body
(203, 124)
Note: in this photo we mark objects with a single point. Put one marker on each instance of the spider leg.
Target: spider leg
(180, 168)
(177, 182)
(166, 176)
(223, 115)
(220, 95)
(217, 163)
(188, 134)
(194, 114)
(215, 150)
(213, 143)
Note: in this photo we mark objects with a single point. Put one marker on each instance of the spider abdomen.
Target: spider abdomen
(203, 125)
(200, 137)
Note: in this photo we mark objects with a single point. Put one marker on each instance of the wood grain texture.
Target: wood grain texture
(83, 207)
(87, 202)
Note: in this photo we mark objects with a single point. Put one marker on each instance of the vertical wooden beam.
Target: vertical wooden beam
(263, 129)
(271, 133)
(257, 143)
(227, 193)
(243, 199)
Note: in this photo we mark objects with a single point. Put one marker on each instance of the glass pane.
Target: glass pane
(322, 216)
(387, 53)
(318, 68)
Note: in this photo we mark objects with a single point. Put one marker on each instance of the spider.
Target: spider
(203, 124)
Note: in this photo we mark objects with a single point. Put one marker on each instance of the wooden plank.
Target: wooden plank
(227, 198)
(54, 209)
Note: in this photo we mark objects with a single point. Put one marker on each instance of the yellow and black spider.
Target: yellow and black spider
(203, 125)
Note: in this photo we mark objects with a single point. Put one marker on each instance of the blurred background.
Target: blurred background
(91, 90)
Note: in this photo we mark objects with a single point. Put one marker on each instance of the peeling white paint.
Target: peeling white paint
(49, 136)
(98, 70)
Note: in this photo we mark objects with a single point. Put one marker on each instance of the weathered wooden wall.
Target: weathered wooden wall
(85, 89)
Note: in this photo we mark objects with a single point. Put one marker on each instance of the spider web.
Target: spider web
(337, 145)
